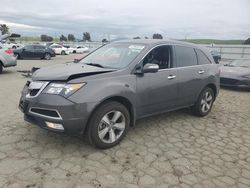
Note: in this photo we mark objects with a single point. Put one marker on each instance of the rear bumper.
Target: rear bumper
(9, 61)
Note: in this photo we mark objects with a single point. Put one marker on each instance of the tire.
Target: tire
(47, 56)
(103, 130)
(1, 68)
(74, 51)
(204, 103)
(13, 47)
(63, 53)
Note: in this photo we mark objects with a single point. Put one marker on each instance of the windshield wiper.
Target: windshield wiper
(95, 64)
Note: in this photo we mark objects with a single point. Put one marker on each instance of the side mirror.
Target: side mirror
(150, 68)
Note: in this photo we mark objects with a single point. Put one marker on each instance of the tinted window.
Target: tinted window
(29, 47)
(202, 58)
(185, 56)
(39, 47)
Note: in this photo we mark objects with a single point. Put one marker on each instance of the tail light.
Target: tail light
(9, 51)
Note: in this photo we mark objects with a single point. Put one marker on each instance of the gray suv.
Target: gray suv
(119, 83)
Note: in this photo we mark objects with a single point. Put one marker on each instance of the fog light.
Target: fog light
(54, 126)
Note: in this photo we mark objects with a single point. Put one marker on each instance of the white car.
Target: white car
(59, 49)
(82, 49)
(71, 49)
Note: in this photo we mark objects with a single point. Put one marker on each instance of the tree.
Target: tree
(71, 37)
(46, 38)
(86, 36)
(247, 41)
(63, 38)
(4, 29)
(137, 37)
(157, 36)
(104, 40)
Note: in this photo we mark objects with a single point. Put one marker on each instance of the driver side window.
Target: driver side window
(161, 56)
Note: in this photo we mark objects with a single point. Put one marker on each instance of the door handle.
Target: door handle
(201, 71)
(170, 77)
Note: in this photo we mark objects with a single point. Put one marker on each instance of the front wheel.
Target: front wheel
(63, 53)
(47, 56)
(204, 103)
(108, 125)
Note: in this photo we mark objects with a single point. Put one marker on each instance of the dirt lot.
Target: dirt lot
(170, 150)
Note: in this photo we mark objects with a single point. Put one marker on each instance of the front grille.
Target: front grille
(45, 112)
(229, 81)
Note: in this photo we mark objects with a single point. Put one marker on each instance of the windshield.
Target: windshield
(115, 56)
(240, 63)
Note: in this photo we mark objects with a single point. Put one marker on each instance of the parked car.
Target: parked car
(119, 83)
(34, 51)
(236, 73)
(82, 49)
(216, 55)
(59, 49)
(7, 59)
(71, 49)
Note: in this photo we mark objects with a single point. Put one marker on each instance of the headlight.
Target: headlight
(62, 89)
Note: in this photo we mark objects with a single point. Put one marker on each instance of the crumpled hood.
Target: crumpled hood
(234, 71)
(67, 71)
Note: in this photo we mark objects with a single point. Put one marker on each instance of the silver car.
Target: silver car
(7, 59)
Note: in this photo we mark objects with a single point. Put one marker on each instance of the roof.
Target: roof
(156, 42)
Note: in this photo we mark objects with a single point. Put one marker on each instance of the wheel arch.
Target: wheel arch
(123, 100)
(213, 87)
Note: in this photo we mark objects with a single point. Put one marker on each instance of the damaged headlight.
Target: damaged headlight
(63, 89)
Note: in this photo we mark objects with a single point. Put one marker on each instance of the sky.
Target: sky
(175, 19)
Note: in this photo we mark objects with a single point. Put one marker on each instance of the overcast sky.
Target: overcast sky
(221, 19)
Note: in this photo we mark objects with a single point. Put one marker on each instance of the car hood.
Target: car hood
(234, 71)
(65, 72)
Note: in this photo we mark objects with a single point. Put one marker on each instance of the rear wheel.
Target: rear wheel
(63, 53)
(108, 125)
(47, 56)
(204, 103)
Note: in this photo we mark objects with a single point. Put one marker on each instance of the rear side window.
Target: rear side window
(39, 47)
(29, 47)
(202, 58)
(185, 56)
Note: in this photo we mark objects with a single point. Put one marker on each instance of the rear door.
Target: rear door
(28, 51)
(39, 51)
(189, 75)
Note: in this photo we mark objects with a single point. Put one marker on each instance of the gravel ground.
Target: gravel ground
(170, 150)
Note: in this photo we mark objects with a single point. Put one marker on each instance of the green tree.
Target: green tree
(247, 41)
(46, 38)
(71, 37)
(63, 38)
(157, 36)
(4, 29)
(86, 36)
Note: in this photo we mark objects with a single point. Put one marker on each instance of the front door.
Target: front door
(157, 92)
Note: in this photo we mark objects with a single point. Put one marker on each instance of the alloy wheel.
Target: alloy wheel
(111, 126)
(206, 102)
